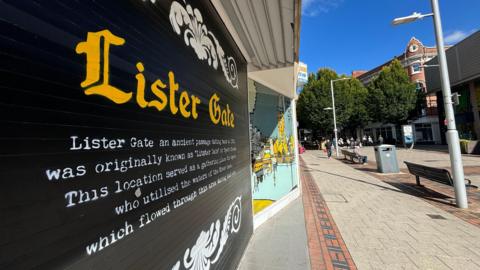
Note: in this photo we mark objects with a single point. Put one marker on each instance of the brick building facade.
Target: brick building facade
(426, 124)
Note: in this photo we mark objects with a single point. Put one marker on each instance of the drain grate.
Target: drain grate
(436, 216)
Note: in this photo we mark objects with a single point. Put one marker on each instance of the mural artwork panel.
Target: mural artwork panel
(273, 146)
(124, 140)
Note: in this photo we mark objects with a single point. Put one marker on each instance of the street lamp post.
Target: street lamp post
(334, 115)
(452, 133)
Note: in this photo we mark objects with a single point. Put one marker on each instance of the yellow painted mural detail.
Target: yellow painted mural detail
(259, 205)
(281, 147)
(279, 150)
(291, 144)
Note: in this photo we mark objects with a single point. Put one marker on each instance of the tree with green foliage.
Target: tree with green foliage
(311, 103)
(420, 104)
(359, 116)
(391, 96)
(350, 97)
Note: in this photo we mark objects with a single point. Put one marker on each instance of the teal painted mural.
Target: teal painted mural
(273, 147)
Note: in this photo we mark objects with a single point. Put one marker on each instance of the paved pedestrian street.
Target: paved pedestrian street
(280, 243)
(355, 220)
(438, 194)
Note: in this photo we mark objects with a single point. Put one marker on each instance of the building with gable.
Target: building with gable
(425, 123)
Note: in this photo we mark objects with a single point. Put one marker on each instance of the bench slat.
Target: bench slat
(435, 174)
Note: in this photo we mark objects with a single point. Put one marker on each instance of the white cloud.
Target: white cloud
(312, 8)
(456, 36)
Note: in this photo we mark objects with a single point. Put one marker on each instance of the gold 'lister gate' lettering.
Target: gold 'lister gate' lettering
(92, 47)
(217, 114)
(186, 104)
(141, 86)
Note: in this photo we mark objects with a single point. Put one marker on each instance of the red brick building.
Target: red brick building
(358, 73)
(426, 123)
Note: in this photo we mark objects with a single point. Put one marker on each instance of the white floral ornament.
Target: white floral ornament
(211, 243)
(203, 41)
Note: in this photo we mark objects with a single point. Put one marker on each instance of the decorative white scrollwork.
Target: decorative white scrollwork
(203, 41)
(210, 243)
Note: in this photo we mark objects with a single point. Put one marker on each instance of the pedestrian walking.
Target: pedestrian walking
(328, 145)
(380, 140)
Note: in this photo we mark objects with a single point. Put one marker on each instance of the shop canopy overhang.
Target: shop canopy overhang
(463, 61)
(268, 34)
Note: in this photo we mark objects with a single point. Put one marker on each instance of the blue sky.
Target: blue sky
(349, 35)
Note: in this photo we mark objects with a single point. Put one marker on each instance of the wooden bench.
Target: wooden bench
(434, 174)
(352, 156)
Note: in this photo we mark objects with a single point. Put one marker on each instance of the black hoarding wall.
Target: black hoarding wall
(124, 137)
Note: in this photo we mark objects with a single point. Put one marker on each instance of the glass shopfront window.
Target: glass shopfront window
(273, 146)
(423, 132)
(386, 133)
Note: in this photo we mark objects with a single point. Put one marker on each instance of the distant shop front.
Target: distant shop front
(464, 71)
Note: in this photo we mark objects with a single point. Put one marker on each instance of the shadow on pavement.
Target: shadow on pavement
(434, 148)
(439, 195)
(404, 188)
(422, 192)
(372, 170)
(350, 178)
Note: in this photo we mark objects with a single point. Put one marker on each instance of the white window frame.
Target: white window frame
(419, 67)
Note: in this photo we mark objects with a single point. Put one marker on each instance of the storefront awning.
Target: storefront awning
(267, 32)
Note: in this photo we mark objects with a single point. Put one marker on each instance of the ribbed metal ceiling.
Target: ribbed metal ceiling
(266, 29)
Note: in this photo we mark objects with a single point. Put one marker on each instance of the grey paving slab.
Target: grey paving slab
(280, 243)
(475, 178)
(385, 228)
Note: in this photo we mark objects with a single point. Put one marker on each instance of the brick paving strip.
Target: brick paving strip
(326, 246)
(437, 194)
